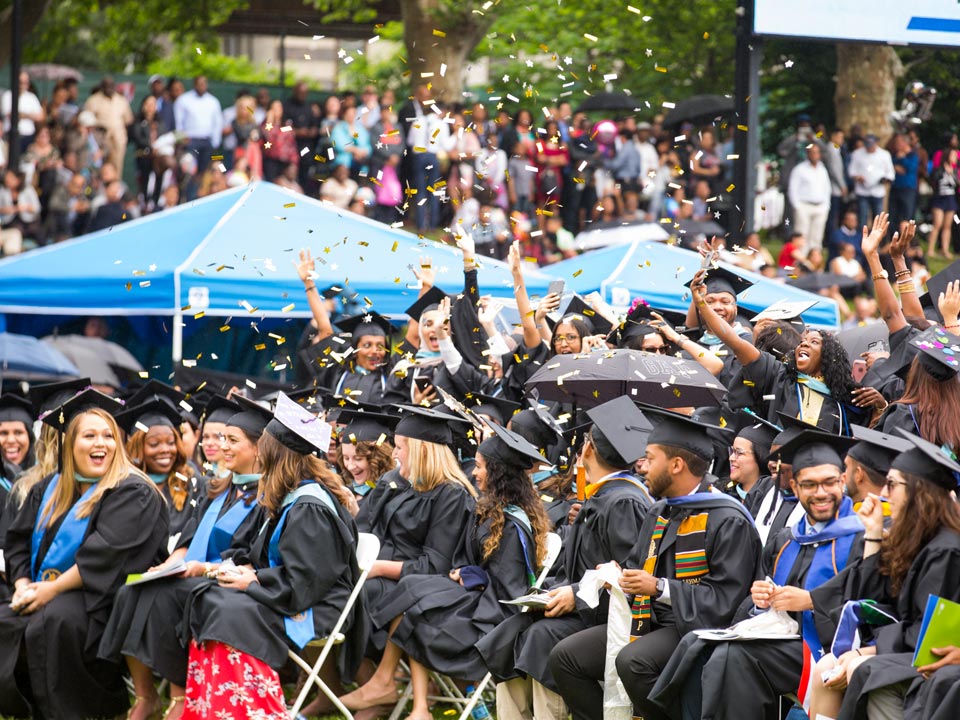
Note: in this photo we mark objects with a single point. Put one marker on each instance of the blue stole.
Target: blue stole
(5, 484)
(521, 519)
(62, 553)
(299, 628)
(833, 546)
(214, 533)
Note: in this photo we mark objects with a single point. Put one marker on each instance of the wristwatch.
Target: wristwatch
(882, 275)
(661, 586)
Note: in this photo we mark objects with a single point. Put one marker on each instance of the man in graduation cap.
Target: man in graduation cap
(697, 554)
(614, 505)
(867, 463)
(829, 536)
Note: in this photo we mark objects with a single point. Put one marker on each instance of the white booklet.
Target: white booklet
(168, 571)
(532, 600)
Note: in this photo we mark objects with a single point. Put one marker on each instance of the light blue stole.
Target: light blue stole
(62, 553)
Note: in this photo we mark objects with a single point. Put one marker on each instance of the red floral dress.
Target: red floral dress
(227, 684)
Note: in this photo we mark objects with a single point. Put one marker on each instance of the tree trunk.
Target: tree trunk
(33, 10)
(867, 79)
(459, 31)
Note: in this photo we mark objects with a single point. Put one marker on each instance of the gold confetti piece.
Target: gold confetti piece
(396, 244)
(742, 127)
(439, 33)
(287, 308)
(216, 157)
(706, 36)
(289, 205)
(659, 69)
(577, 273)
(730, 187)
(128, 286)
(199, 315)
(261, 346)
(143, 374)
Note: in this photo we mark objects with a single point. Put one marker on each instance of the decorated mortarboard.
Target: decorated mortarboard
(50, 395)
(430, 300)
(252, 416)
(362, 425)
(155, 412)
(428, 424)
(720, 280)
(810, 448)
(928, 461)
(676, 430)
(14, 408)
(497, 408)
(622, 426)
(89, 399)
(510, 448)
(297, 429)
(219, 410)
(368, 323)
(877, 450)
(938, 284)
(786, 311)
(595, 322)
(939, 353)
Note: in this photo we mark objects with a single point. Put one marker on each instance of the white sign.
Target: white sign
(917, 22)
(199, 297)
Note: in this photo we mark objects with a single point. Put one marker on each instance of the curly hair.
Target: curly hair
(508, 485)
(283, 469)
(779, 338)
(177, 482)
(834, 366)
(928, 509)
(378, 457)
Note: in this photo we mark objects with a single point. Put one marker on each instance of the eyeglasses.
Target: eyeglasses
(889, 483)
(660, 350)
(568, 339)
(809, 487)
(738, 452)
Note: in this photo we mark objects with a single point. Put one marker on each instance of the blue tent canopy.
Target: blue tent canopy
(657, 272)
(232, 253)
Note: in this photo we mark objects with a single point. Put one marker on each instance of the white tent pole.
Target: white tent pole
(177, 336)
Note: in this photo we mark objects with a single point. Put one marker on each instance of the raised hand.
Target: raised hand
(949, 305)
(306, 267)
(466, 244)
(900, 242)
(427, 274)
(872, 238)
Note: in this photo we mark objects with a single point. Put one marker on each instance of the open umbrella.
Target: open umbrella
(857, 340)
(592, 379)
(699, 107)
(23, 357)
(95, 357)
(610, 101)
(51, 71)
(817, 281)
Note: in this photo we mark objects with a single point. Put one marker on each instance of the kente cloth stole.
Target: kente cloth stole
(690, 562)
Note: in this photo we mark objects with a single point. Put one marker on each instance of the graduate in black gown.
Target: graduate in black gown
(282, 592)
(707, 679)
(16, 440)
(748, 458)
(695, 559)
(540, 428)
(217, 411)
(226, 521)
(436, 619)
(605, 528)
(70, 547)
(365, 450)
(919, 556)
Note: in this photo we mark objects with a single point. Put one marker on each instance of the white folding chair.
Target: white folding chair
(368, 547)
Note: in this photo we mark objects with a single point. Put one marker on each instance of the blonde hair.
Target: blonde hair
(178, 479)
(432, 464)
(68, 488)
(48, 443)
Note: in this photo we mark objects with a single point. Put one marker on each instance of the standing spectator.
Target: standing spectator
(425, 134)
(521, 159)
(114, 116)
(351, 142)
(164, 105)
(705, 163)
(649, 159)
(228, 139)
(793, 151)
(69, 210)
(298, 111)
(836, 169)
(30, 109)
(280, 145)
(19, 205)
(809, 193)
(369, 110)
(82, 140)
(943, 206)
(60, 111)
(871, 169)
(43, 159)
(339, 188)
(246, 132)
(492, 170)
(385, 165)
(903, 192)
(626, 166)
(200, 118)
(145, 132)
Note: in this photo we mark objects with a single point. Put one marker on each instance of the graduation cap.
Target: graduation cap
(154, 389)
(786, 311)
(579, 309)
(369, 323)
(428, 424)
(939, 353)
(497, 408)
(331, 292)
(810, 448)
(297, 429)
(675, 430)
(927, 461)
(361, 425)
(621, 426)
(156, 412)
(938, 284)
(251, 416)
(538, 426)
(637, 323)
(510, 448)
(760, 433)
(219, 410)
(876, 450)
(430, 300)
(89, 399)
(48, 396)
(721, 280)
(14, 408)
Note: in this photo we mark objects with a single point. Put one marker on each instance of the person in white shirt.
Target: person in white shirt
(871, 168)
(809, 194)
(30, 109)
(426, 134)
(649, 160)
(198, 115)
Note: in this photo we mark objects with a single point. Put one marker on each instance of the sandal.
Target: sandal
(174, 699)
(155, 715)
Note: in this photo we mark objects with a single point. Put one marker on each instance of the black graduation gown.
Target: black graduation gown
(56, 647)
(442, 620)
(370, 518)
(776, 513)
(252, 620)
(934, 571)
(196, 492)
(898, 415)
(423, 530)
(519, 366)
(605, 529)
(882, 375)
(467, 380)
(767, 376)
(326, 371)
(143, 616)
(725, 673)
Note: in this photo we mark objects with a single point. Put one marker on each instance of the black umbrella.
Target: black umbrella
(610, 101)
(817, 281)
(857, 340)
(699, 107)
(594, 378)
